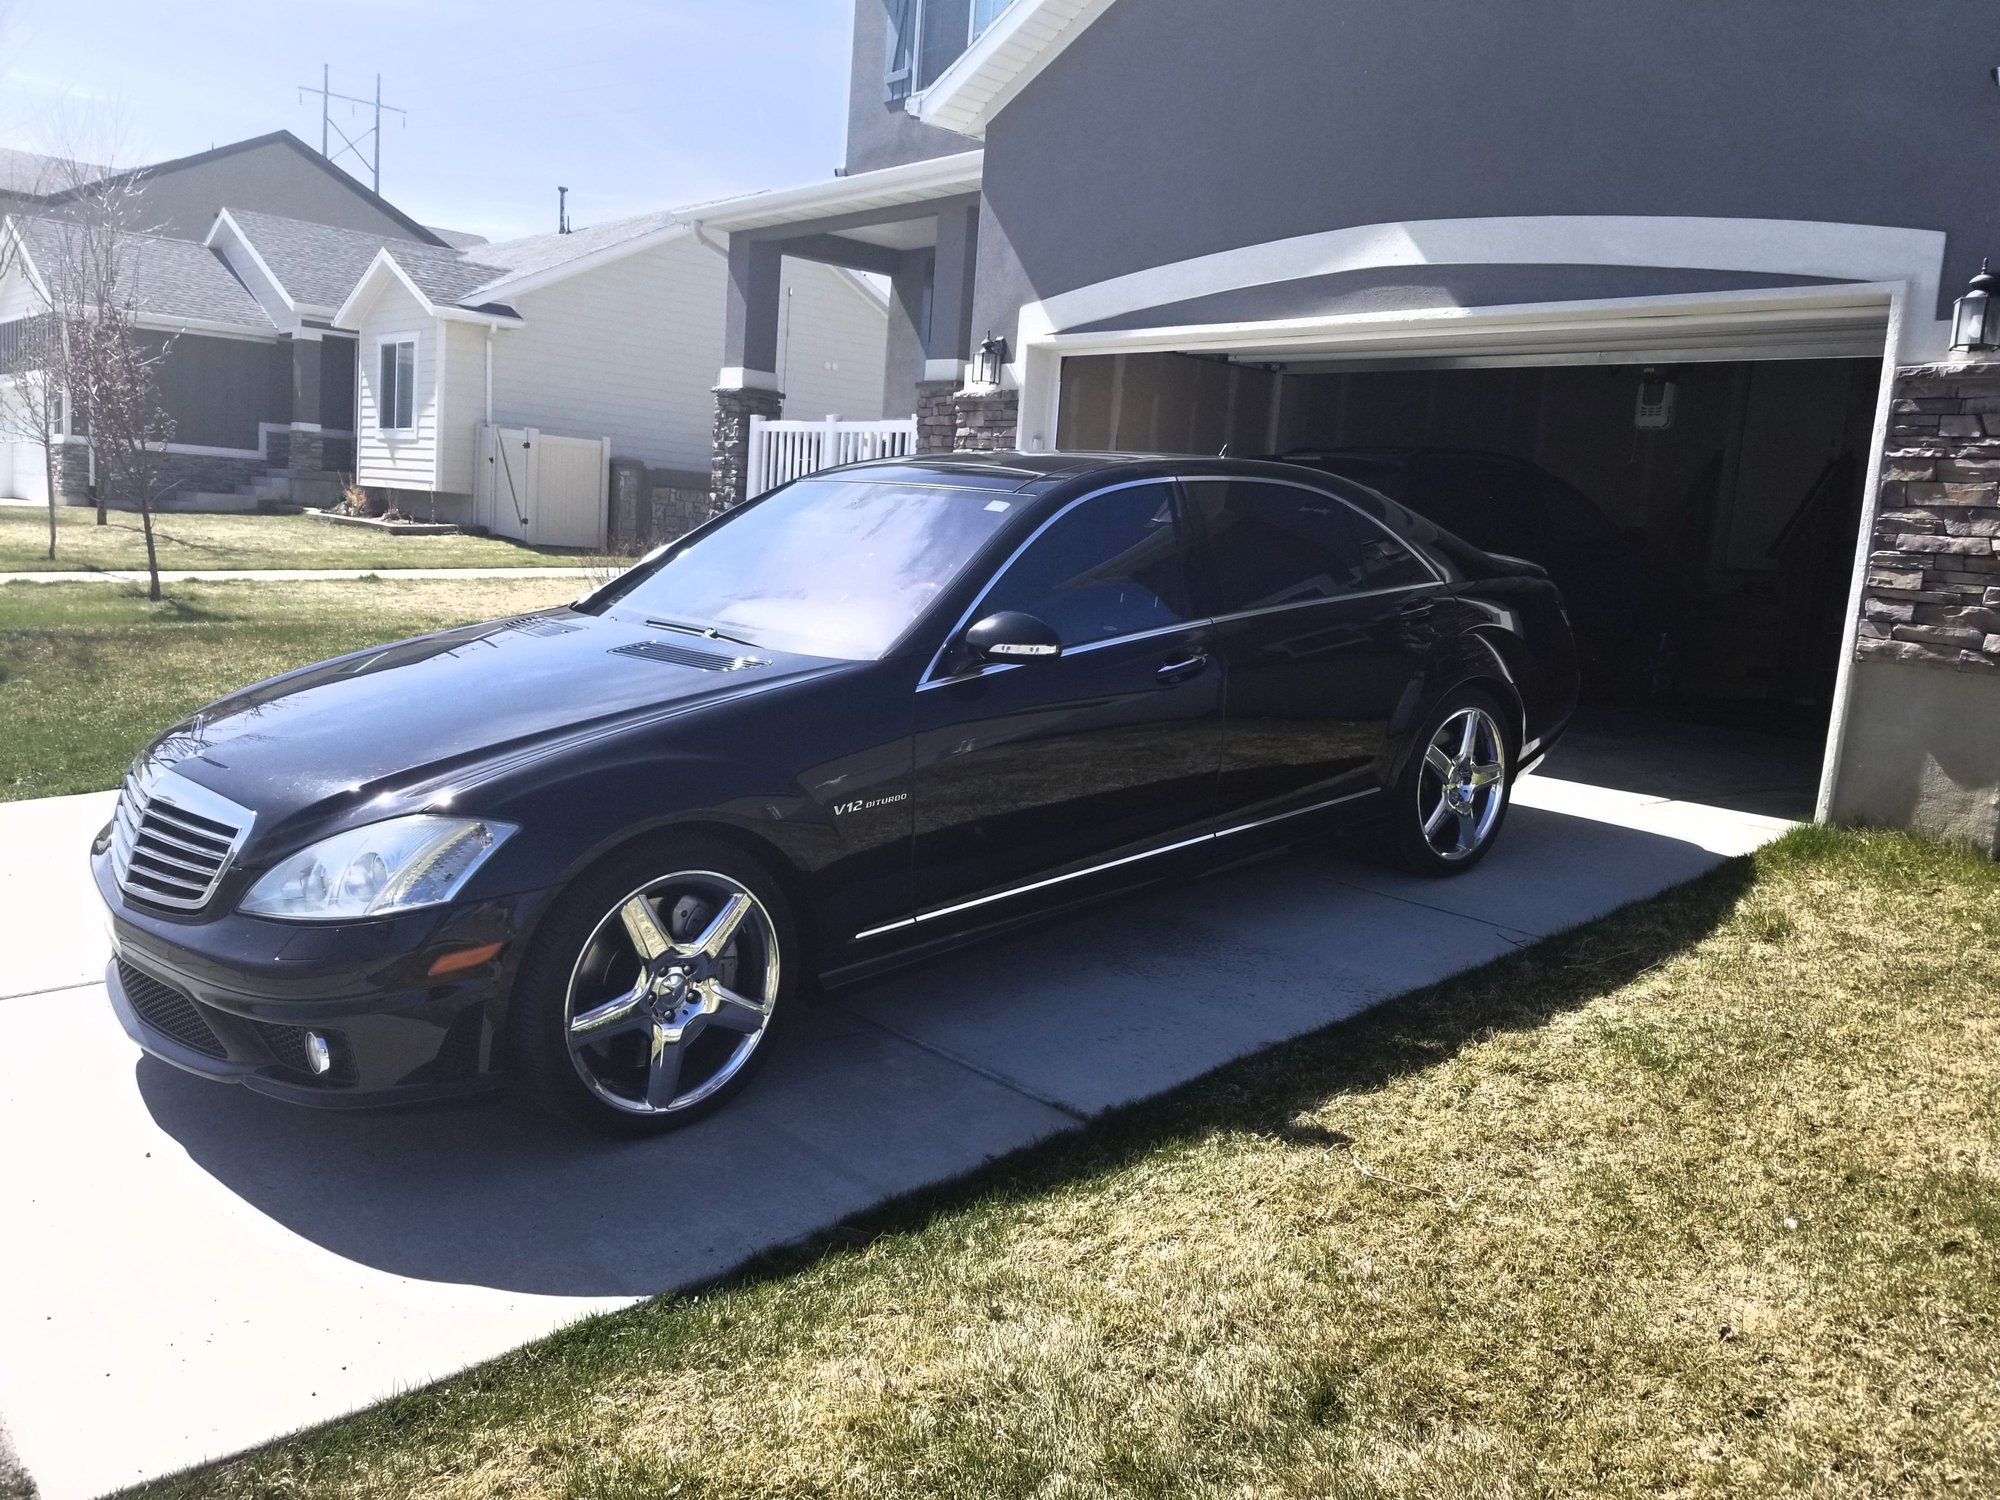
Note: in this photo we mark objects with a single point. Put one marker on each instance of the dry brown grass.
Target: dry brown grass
(1700, 1200)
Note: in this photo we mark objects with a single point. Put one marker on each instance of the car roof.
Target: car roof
(1015, 470)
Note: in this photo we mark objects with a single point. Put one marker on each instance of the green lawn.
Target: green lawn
(1700, 1200)
(246, 541)
(90, 671)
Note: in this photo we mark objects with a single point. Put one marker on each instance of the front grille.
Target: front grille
(172, 840)
(168, 1011)
(287, 1044)
(682, 656)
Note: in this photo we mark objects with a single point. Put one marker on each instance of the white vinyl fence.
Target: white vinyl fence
(783, 451)
(533, 486)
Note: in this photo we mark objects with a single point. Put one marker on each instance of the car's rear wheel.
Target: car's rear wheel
(1452, 796)
(655, 989)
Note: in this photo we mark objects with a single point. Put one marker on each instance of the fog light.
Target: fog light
(318, 1053)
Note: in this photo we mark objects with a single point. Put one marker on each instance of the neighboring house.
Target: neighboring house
(616, 334)
(225, 376)
(1698, 261)
(274, 174)
(261, 396)
(612, 332)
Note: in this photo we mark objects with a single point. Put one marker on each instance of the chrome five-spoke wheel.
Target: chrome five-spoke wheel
(672, 993)
(1462, 789)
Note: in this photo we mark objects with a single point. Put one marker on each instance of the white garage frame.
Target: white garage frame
(1880, 302)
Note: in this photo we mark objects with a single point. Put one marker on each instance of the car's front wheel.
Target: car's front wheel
(654, 990)
(1452, 796)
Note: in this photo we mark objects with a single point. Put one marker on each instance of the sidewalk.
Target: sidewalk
(293, 575)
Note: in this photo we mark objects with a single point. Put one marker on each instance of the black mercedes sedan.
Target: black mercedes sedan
(605, 851)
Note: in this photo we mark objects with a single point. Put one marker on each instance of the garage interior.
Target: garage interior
(1731, 488)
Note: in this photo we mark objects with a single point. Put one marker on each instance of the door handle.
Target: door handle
(1180, 671)
(1417, 609)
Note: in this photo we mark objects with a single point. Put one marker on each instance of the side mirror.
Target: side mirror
(1012, 636)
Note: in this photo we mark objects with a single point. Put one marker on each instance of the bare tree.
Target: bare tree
(90, 261)
(35, 404)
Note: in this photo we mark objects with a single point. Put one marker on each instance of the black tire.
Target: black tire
(1421, 794)
(588, 942)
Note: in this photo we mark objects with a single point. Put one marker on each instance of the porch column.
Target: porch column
(1921, 745)
(305, 455)
(748, 386)
(948, 342)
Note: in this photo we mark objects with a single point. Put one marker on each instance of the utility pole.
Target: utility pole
(351, 145)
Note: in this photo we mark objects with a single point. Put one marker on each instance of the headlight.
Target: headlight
(385, 867)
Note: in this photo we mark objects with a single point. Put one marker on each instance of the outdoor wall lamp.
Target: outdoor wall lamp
(992, 360)
(1975, 317)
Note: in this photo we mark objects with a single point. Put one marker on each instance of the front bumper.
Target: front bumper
(233, 998)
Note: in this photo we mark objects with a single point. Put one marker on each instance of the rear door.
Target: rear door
(1029, 775)
(1323, 620)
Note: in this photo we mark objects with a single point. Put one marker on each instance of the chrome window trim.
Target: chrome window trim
(1313, 489)
(1272, 609)
(931, 680)
(1111, 864)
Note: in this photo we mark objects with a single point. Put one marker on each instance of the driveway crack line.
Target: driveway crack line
(988, 1074)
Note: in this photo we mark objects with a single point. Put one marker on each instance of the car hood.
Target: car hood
(441, 710)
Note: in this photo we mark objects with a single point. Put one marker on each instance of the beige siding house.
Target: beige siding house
(610, 333)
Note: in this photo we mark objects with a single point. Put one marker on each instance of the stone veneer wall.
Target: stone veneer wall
(651, 506)
(937, 418)
(1932, 592)
(729, 463)
(987, 420)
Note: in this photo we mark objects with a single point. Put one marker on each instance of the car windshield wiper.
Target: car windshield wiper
(702, 630)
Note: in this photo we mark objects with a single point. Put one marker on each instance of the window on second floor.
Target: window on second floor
(928, 36)
(396, 386)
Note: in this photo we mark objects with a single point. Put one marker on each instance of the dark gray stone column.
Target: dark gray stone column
(1932, 592)
(729, 453)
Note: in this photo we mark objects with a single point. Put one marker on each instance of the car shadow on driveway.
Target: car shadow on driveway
(890, 1088)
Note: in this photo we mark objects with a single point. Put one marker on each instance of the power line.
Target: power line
(351, 145)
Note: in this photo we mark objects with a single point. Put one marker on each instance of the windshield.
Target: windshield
(823, 567)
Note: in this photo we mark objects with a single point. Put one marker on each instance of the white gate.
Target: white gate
(549, 491)
(783, 451)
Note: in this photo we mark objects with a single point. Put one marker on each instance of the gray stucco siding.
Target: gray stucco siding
(1404, 288)
(881, 134)
(274, 179)
(218, 390)
(1177, 128)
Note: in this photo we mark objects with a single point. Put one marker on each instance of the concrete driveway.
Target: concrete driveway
(189, 1269)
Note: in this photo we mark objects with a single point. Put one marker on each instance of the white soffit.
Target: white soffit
(1025, 39)
(913, 184)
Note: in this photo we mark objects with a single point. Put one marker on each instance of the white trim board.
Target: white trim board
(990, 74)
(1784, 247)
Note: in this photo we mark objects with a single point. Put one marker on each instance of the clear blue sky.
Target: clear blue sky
(634, 104)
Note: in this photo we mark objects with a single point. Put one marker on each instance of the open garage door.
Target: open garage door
(1701, 513)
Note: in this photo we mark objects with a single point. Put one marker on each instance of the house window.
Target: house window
(984, 14)
(396, 386)
(906, 47)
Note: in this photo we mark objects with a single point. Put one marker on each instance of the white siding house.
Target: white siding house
(395, 457)
(609, 333)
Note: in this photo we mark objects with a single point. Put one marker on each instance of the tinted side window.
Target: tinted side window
(1111, 566)
(1275, 544)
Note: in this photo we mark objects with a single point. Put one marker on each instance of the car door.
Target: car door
(1323, 620)
(1035, 772)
